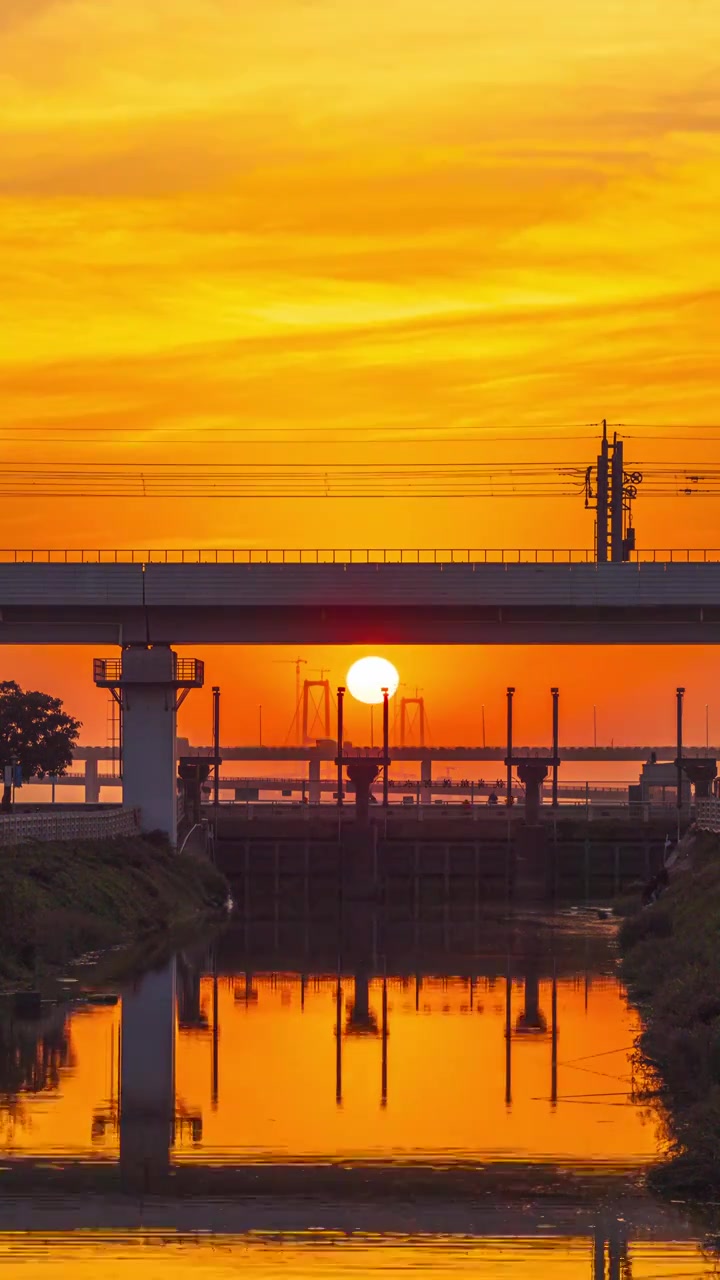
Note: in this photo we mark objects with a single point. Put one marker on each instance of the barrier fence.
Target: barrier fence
(23, 827)
(707, 814)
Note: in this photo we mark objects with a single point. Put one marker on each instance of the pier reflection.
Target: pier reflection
(500, 1070)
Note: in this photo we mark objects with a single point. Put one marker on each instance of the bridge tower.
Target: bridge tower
(412, 722)
(315, 711)
(150, 682)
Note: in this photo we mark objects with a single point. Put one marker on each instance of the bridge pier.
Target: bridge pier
(532, 774)
(147, 1076)
(92, 781)
(425, 774)
(702, 774)
(314, 791)
(148, 680)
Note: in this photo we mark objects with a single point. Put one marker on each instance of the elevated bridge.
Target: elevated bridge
(341, 601)
(145, 602)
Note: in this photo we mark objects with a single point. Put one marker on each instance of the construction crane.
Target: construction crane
(297, 663)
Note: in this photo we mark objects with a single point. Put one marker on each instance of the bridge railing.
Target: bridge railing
(348, 555)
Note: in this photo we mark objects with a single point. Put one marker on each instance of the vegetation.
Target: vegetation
(35, 733)
(671, 962)
(59, 901)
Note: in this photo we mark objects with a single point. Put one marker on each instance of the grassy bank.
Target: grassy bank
(671, 962)
(59, 901)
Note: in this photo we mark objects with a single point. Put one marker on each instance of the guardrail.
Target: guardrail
(23, 827)
(367, 555)
(108, 671)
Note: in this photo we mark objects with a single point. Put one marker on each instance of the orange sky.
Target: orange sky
(355, 232)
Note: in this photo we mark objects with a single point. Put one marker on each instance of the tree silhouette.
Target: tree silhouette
(35, 732)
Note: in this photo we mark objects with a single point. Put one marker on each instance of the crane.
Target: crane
(297, 663)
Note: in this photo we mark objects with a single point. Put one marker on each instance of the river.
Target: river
(457, 1106)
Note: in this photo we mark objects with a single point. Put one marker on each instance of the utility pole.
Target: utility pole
(617, 498)
(602, 497)
(613, 497)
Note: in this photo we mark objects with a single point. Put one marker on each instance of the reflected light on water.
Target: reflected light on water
(424, 1072)
(160, 1255)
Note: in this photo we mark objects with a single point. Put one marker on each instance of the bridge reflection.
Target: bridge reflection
(252, 1075)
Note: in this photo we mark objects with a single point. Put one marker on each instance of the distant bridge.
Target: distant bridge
(579, 792)
(326, 749)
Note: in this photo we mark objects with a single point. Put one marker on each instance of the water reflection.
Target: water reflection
(299, 1256)
(481, 1095)
(200, 1061)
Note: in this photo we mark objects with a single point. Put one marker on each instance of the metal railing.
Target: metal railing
(187, 671)
(23, 827)
(350, 555)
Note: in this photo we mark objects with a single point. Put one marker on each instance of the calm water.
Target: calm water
(461, 1114)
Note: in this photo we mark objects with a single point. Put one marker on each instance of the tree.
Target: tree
(35, 733)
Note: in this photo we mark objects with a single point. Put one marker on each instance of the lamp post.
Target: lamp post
(386, 744)
(679, 762)
(510, 695)
(340, 700)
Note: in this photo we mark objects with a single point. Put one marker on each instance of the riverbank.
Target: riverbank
(671, 964)
(59, 901)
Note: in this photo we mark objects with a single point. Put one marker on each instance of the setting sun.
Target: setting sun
(367, 678)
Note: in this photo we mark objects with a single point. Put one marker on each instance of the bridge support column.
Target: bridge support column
(425, 778)
(149, 738)
(151, 682)
(314, 794)
(147, 1077)
(702, 774)
(92, 782)
(532, 774)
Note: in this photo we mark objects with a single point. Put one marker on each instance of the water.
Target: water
(236, 1111)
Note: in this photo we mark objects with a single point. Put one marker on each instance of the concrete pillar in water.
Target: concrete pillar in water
(425, 779)
(147, 1076)
(314, 792)
(92, 781)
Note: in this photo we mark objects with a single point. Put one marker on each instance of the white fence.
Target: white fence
(23, 827)
(707, 814)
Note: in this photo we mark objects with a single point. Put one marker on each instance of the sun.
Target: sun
(367, 678)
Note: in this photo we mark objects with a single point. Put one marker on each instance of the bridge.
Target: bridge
(145, 602)
(325, 749)
(445, 601)
(574, 792)
(91, 780)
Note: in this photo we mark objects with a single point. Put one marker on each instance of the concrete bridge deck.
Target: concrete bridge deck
(351, 603)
